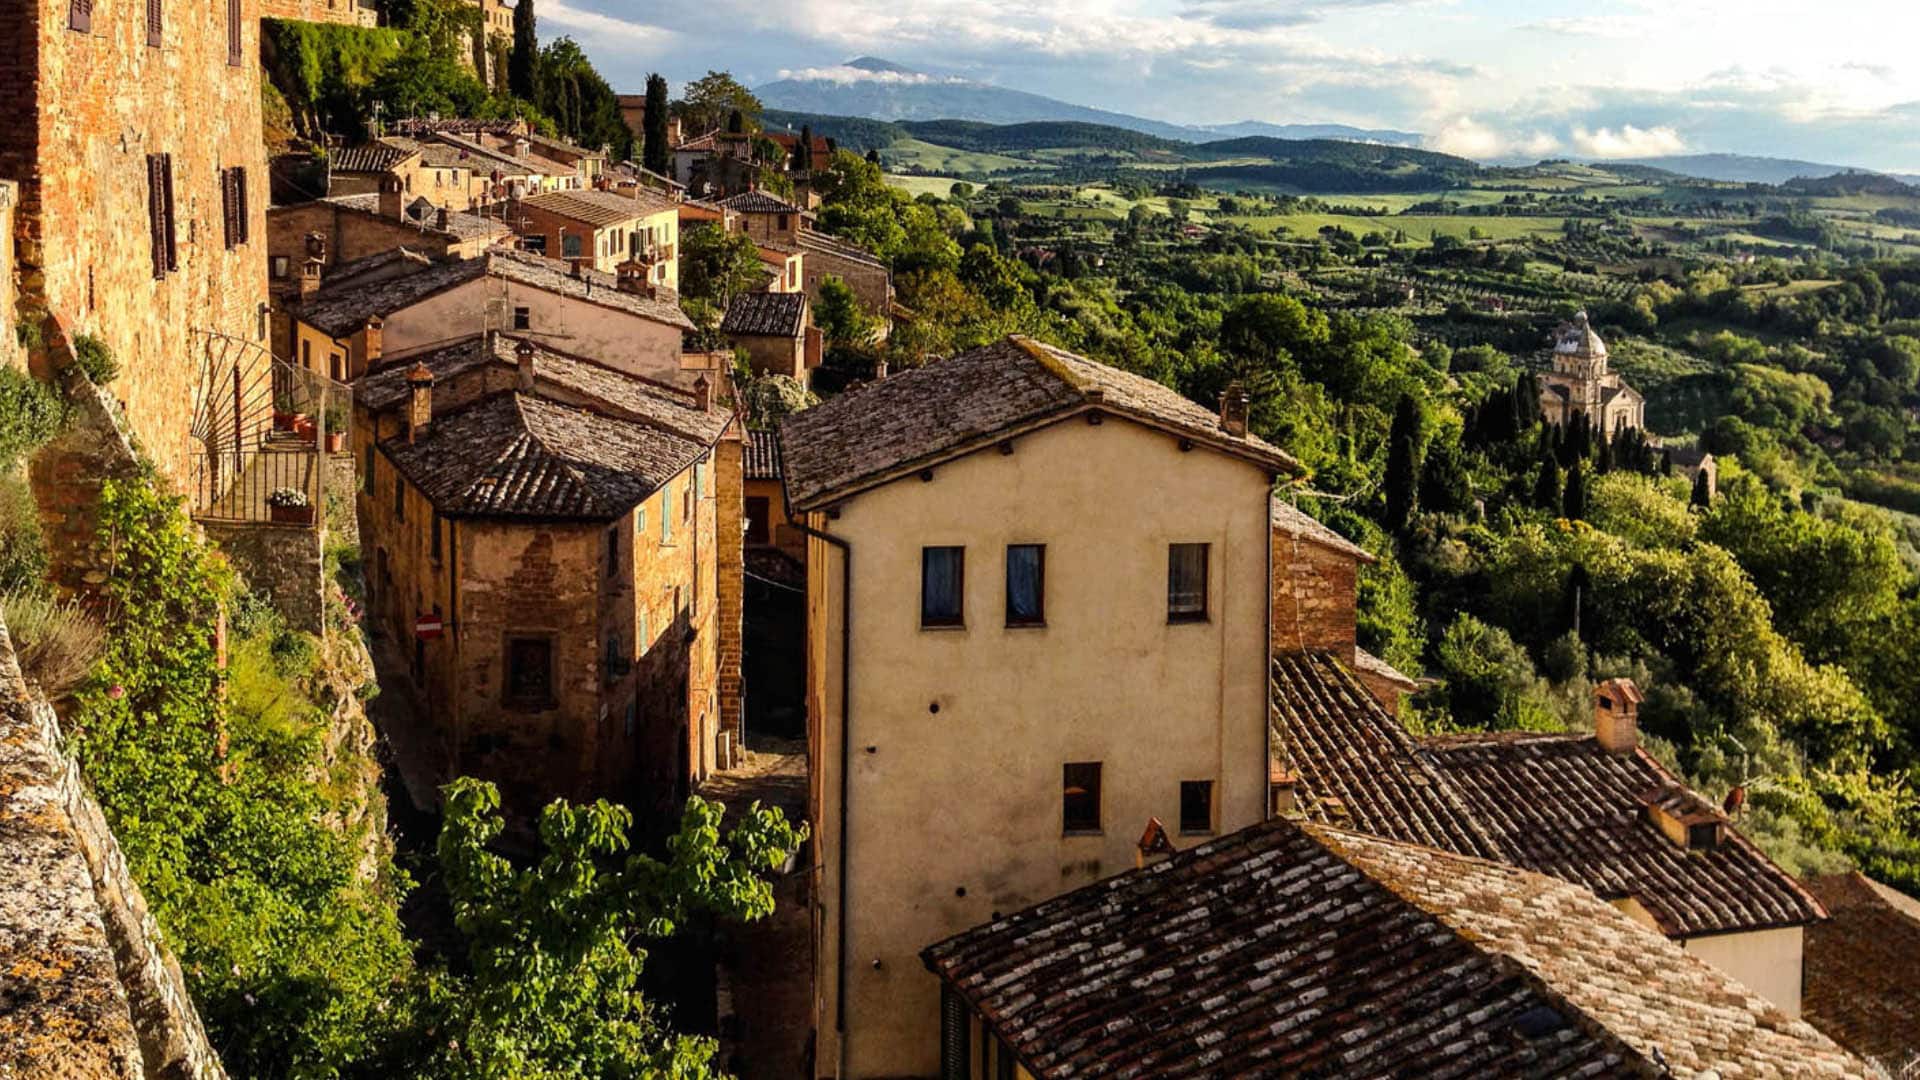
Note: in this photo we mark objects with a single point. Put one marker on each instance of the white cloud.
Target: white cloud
(845, 76)
(1628, 141)
(1469, 138)
(594, 23)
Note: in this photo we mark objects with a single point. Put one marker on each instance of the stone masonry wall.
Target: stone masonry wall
(729, 532)
(67, 475)
(12, 353)
(282, 561)
(1313, 597)
(90, 989)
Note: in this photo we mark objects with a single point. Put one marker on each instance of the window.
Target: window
(306, 355)
(233, 205)
(153, 23)
(640, 521)
(666, 514)
(529, 671)
(80, 15)
(613, 551)
(942, 586)
(436, 536)
(399, 498)
(523, 318)
(235, 56)
(758, 510)
(783, 221)
(633, 714)
(569, 246)
(1026, 584)
(1080, 797)
(1196, 806)
(166, 254)
(280, 267)
(1187, 583)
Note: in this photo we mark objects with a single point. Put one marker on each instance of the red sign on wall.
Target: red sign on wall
(427, 627)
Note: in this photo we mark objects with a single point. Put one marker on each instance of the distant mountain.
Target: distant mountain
(1740, 168)
(883, 90)
(1386, 136)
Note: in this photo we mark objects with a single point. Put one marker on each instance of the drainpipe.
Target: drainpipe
(846, 682)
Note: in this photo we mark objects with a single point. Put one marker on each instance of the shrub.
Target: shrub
(23, 551)
(56, 642)
(95, 360)
(30, 414)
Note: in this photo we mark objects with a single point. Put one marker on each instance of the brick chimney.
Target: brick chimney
(419, 401)
(1616, 716)
(702, 394)
(441, 219)
(393, 196)
(880, 368)
(1233, 410)
(635, 277)
(523, 353)
(370, 343)
(310, 272)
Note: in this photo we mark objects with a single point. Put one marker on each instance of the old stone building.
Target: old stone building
(1316, 573)
(1037, 616)
(343, 12)
(776, 330)
(603, 230)
(767, 218)
(430, 170)
(560, 520)
(134, 134)
(1580, 384)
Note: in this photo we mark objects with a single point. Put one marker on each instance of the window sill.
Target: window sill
(943, 626)
(1068, 834)
(1197, 832)
(1187, 620)
(1040, 625)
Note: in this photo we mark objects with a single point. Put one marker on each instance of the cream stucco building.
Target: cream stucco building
(1581, 385)
(1038, 617)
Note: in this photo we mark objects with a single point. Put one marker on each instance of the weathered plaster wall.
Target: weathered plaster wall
(1768, 962)
(581, 327)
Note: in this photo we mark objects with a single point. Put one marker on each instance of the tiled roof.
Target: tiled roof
(339, 312)
(968, 400)
(515, 455)
(1561, 805)
(1365, 663)
(461, 225)
(490, 160)
(1862, 969)
(1297, 523)
(372, 157)
(821, 243)
(763, 455)
(1356, 767)
(1291, 950)
(765, 314)
(600, 208)
(1688, 456)
(758, 202)
(433, 152)
(406, 259)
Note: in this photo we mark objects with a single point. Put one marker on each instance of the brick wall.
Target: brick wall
(106, 99)
(729, 529)
(345, 12)
(1313, 597)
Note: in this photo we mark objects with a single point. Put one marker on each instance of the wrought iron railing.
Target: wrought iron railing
(265, 428)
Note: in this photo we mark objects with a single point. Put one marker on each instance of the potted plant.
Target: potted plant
(290, 506)
(337, 419)
(304, 427)
(283, 414)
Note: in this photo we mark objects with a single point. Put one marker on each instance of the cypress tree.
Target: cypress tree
(1603, 461)
(1666, 463)
(736, 122)
(656, 155)
(1546, 489)
(1702, 496)
(1526, 401)
(523, 64)
(803, 153)
(873, 157)
(1574, 503)
(1403, 463)
(1573, 598)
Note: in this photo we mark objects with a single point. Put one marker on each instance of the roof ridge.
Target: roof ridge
(561, 462)
(1054, 365)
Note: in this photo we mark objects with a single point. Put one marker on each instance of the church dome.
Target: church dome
(1577, 339)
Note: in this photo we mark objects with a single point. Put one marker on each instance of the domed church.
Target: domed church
(1581, 383)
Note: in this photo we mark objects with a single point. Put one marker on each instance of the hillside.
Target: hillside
(1315, 131)
(1329, 165)
(1739, 168)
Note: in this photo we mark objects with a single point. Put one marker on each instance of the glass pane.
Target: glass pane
(1025, 597)
(940, 585)
(1187, 580)
(1080, 796)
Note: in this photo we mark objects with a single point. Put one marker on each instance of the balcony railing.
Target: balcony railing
(265, 427)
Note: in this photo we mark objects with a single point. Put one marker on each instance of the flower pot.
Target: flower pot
(292, 515)
(283, 421)
(336, 441)
(305, 428)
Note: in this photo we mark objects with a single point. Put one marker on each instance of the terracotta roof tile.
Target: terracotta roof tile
(766, 314)
(758, 202)
(1862, 969)
(601, 208)
(371, 157)
(763, 455)
(1561, 805)
(1289, 950)
(951, 406)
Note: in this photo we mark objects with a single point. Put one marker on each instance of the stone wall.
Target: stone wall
(67, 475)
(90, 990)
(281, 561)
(729, 529)
(1313, 597)
(12, 352)
(345, 12)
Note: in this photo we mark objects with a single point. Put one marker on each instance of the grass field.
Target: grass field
(923, 185)
(946, 159)
(1419, 227)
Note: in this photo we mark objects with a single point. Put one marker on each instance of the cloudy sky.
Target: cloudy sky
(1836, 81)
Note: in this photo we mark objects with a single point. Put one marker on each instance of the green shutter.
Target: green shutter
(666, 515)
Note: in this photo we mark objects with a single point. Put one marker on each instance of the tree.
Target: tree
(841, 319)
(1702, 493)
(707, 103)
(717, 265)
(656, 155)
(523, 69)
(1546, 487)
(803, 150)
(553, 981)
(1403, 464)
(1574, 502)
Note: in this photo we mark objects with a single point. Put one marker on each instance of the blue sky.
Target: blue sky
(1832, 82)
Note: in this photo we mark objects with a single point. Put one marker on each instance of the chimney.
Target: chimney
(1233, 410)
(635, 277)
(674, 131)
(393, 196)
(419, 401)
(310, 277)
(1154, 845)
(441, 219)
(1282, 791)
(702, 394)
(521, 146)
(523, 353)
(1616, 716)
(371, 344)
(880, 368)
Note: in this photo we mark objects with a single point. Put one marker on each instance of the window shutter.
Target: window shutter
(80, 16)
(157, 214)
(167, 231)
(230, 231)
(233, 33)
(153, 22)
(240, 204)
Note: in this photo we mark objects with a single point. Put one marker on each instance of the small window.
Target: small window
(633, 714)
(942, 586)
(783, 221)
(281, 267)
(640, 521)
(687, 494)
(80, 15)
(1196, 806)
(1080, 797)
(536, 245)
(236, 56)
(1703, 836)
(759, 509)
(569, 246)
(522, 318)
(399, 498)
(306, 355)
(529, 671)
(613, 552)
(160, 219)
(1026, 584)
(666, 514)
(153, 23)
(1187, 583)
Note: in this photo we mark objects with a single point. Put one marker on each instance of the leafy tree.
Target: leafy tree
(803, 150)
(1403, 464)
(657, 155)
(709, 103)
(553, 949)
(523, 69)
(772, 397)
(716, 265)
(1489, 681)
(1702, 491)
(841, 319)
